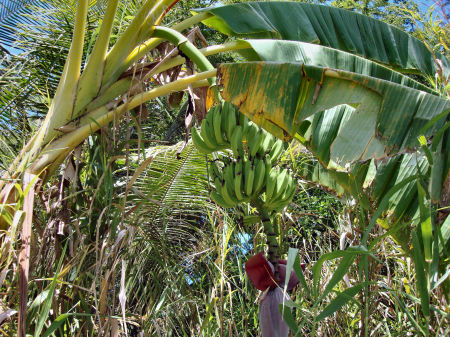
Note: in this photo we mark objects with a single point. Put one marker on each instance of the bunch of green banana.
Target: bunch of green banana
(280, 189)
(255, 152)
(238, 181)
(225, 127)
(210, 138)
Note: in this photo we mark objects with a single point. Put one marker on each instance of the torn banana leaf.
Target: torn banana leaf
(316, 55)
(388, 117)
(329, 26)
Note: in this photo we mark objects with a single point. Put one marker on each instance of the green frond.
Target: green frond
(171, 195)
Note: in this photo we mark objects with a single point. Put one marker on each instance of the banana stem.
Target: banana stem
(55, 153)
(153, 42)
(110, 94)
(211, 50)
(91, 78)
(186, 47)
(271, 231)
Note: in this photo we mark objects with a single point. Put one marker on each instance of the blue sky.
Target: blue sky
(424, 5)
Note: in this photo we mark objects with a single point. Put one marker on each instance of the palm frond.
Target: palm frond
(13, 13)
(170, 196)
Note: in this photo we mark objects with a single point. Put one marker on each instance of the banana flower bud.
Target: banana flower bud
(261, 273)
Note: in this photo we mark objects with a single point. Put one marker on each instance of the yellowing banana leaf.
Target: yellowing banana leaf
(388, 117)
(329, 26)
(323, 127)
(316, 55)
(366, 182)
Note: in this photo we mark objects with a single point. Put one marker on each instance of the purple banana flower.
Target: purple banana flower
(261, 273)
(270, 320)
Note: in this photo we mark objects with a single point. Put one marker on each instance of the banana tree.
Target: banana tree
(355, 66)
(344, 107)
(352, 111)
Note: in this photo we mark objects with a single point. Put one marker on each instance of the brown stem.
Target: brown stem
(271, 231)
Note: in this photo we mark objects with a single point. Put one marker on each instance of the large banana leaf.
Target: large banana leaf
(323, 128)
(316, 55)
(282, 96)
(367, 182)
(328, 26)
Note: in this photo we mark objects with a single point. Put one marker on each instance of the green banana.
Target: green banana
(210, 129)
(236, 142)
(285, 197)
(282, 181)
(260, 173)
(266, 144)
(238, 177)
(218, 185)
(249, 170)
(199, 142)
(224, 119)
(228, 193)
(243, 120)
(238, 186)
(251, 136)
(228, 173)
(217, 125)
(256, 143)
(271, 182)
(282, 202)
(276, 151)
(209, 141)
(218, 199)
(268, 164)
(231, 119)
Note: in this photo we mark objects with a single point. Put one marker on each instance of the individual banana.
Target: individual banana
(266, 143)
(271, 183)
(218, 185)
(255, 143)
(282, 181)
(217, 125)
(200, 143)
(218, 199)
(230, 123)
(208, 138)
(211, 133)
(236, 142)
(251, 133)
(268, 164)
(249, 169)
(224, 119)
(228, 193)
(276, 151)
(238, 178)
(260, 173)
(245, 123)
(228, 172)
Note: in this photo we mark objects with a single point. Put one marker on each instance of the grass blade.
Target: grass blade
(340, 300)
(421, 280)
(48, 301)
